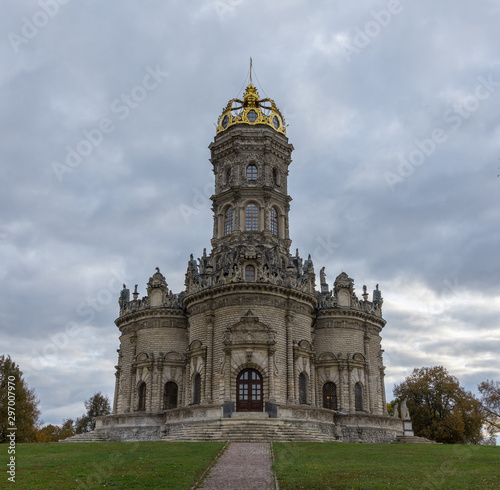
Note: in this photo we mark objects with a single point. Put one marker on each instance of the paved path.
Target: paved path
(243, 466)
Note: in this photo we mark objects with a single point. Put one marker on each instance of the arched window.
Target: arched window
(330, 396)
(170, 396)
(302, 388)
(249, 273)
(228, 221)
(274, 222)
(228, 176)
(197, 389)
(358, 397)
(141, 405)
(251, 218)
(252, 172)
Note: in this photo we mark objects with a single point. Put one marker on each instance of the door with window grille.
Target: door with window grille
(249, 391)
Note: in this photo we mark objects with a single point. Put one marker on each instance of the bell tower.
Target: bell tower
(250, 157)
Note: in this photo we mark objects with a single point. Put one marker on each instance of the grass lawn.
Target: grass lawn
(118, 465)
(371, 466)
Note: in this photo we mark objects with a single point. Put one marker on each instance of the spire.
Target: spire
(251, 71)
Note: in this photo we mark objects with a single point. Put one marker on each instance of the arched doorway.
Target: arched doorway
(249, 391)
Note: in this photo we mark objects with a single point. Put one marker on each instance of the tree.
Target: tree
(96, 406)
(49, 433)
(440, 408)
(54, 433)
(67, 429)
(490, 403)
(14, 393)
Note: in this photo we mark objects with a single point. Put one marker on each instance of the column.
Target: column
(208, 391)
(312, 369)
(340, 392)
(352, 407)
(187, 382)
(290, 374)
(270, 371)
(227, 376)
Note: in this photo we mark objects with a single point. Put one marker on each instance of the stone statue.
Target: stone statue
(322, 275)
(403, 409)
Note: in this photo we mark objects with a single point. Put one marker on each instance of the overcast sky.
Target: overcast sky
(107, 110)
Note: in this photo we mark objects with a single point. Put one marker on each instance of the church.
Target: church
(250, 349)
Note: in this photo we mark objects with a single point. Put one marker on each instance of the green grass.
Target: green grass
(372, 466)
(298, 465)
(111, 465)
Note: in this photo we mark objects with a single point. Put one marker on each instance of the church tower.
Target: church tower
(250, 335)
(250, 302)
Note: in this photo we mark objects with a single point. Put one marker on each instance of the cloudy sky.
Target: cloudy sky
(107, 109)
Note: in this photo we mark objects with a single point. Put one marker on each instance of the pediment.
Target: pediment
(326, 356)
(174, 356)
(250, 331)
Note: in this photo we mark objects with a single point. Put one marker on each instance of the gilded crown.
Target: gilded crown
(251, 110)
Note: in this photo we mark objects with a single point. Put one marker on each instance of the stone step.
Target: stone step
(87, 437)
(412, 440)
(246, 431)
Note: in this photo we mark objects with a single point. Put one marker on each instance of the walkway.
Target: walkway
(243, 466)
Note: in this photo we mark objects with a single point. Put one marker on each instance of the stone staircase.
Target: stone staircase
(94, 436)
(412, 440)
(246, 430)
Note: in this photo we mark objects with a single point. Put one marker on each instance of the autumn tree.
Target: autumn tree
(14, 388)
(440, 409)
(67, 429)
(96, 406)
(490, 403)
(49, 433)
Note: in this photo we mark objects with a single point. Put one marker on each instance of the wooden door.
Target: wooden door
(249, 391)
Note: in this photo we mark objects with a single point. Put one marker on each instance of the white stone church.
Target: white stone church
(250, 349)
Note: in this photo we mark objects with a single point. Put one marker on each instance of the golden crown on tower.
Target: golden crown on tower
(251, 110)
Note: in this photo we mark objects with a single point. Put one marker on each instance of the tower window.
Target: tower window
(358, 397)
(141, 405)
(228, 221)
(249, 273)
(276, 177)
(251, 218)
(274, 222)
(252, 172)
(228, 176)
